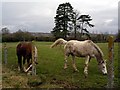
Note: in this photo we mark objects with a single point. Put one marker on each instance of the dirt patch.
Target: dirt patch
(34, 81)
(62, 83)
(11, 79)
(15, 79)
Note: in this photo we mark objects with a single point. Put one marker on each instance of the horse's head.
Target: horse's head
(102, 67)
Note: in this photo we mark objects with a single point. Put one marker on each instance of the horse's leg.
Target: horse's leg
(24, 68)
(86, 65)
(74, 64)
(28, 62)
(20, 63)
(65, 64)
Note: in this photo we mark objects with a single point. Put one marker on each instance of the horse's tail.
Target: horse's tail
(97, 48)
(59, 41)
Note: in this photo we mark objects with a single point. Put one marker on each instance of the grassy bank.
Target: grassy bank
(50, 68)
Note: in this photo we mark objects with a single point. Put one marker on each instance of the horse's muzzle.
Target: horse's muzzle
(105, 74)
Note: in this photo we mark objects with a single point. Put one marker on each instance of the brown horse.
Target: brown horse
(24, 50)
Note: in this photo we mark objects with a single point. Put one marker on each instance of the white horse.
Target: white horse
(86, 49)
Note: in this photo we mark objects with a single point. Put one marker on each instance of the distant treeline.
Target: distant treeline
(27, 36)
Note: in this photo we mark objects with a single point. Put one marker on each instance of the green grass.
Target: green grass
(51, 63)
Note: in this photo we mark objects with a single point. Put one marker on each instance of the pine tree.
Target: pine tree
(75, 25)
(85, 20)
(62, 20)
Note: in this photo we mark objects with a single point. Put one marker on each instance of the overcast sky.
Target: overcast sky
(38, 15)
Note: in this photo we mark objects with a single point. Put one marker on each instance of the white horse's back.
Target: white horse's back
(81, 48)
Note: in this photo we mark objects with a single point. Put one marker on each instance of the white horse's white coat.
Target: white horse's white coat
(86, 49)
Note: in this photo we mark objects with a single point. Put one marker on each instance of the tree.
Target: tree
(85, 20)
(6, 35)
(76, 15)
(22, 36)
(63, 20)
(79, 22)
(5, 31)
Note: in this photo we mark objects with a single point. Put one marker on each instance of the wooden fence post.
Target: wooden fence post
(110, 62)
(33, 60)
(5, 53)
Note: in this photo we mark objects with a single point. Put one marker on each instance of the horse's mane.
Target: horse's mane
(97, 48)
(59, 41)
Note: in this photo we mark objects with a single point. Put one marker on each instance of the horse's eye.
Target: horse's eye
(103, 67)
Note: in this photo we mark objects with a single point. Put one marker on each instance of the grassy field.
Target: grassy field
(51, 72)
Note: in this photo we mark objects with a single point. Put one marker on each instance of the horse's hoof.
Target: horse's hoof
(36, 62)
(65, 68)
(76, 70)
(85, 76)
(29, 73)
